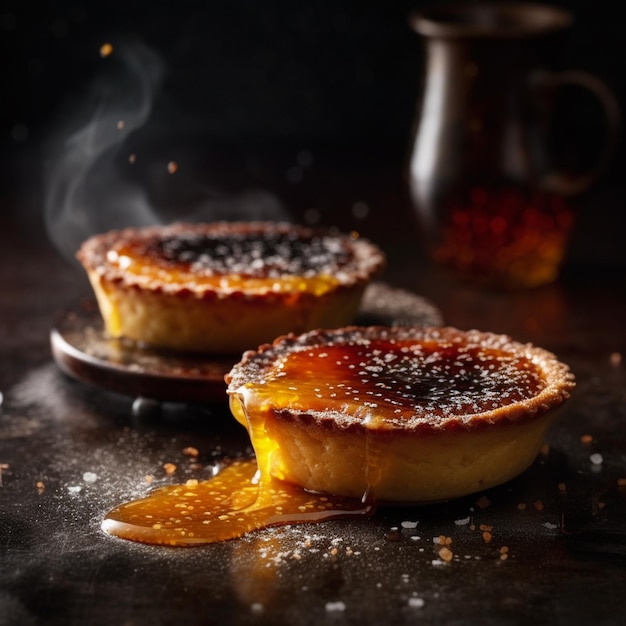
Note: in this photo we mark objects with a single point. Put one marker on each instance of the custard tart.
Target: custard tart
(403, 415)
(223, 287)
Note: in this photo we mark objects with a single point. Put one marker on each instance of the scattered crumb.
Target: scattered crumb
(445, 554)
(409, 524)
(615, 359)
(562, 488)
(191, 451)
(105, 50)
(40, 486)
(538, 504)
(121, 124)
(90, 477)
(486, 527)
(257, 607)
(132, 158)
(521, 506)
(621, 483)
(172, 167)
(169, 468)
(487, 537)
(596, 459)
(192, 482)
(335, 606)
(483, 502)
(416, 603)
(148, 478)
(586, 439)
(462, 522)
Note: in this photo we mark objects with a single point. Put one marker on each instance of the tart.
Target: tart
(223, 287)
(403, 415)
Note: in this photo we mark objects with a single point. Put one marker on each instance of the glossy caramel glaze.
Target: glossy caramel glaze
(226, 258)
(405, 379)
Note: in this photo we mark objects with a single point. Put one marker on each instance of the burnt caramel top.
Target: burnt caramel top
(400, 378)
(233, 256)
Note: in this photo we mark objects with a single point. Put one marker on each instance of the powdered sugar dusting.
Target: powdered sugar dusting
(210, 256)
(273, 255)
(401, 377)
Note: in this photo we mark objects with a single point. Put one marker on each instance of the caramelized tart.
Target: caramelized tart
(223, 287)
(401, 415)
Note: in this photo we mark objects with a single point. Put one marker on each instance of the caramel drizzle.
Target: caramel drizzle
(227, 506)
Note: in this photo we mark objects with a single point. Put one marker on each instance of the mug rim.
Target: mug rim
(489, 19)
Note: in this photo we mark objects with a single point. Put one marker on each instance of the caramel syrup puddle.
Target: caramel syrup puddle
(227, 506)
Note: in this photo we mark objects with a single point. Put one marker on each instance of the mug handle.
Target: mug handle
(565, 183)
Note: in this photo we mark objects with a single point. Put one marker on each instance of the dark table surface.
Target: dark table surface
(70, 452)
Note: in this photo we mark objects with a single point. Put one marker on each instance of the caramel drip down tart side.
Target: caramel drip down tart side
(226, 286)
(403, 414)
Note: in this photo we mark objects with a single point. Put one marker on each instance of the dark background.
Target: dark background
(265, 91)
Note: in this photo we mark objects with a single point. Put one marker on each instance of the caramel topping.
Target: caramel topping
(230, 257)
(403, 382)
(390, 378)
(264, 255)
(277, 262)
(226, 506)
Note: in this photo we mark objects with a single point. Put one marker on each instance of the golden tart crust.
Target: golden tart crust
(223, 287)
(406, 414)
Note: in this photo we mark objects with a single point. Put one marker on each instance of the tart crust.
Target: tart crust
(407, 415)
(223, 287)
